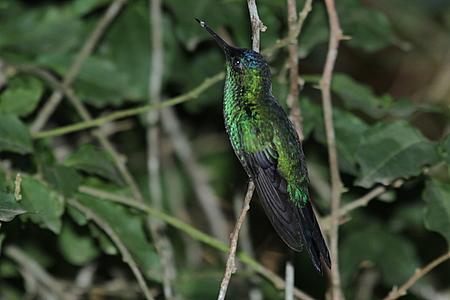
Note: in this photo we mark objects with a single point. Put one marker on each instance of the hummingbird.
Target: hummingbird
(269, 149)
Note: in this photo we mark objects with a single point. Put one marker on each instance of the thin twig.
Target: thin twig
(289, 278)
(399, 292)
(293, 34)
(231, 267)
(33, 268)
(245, 244)
(360, 202)
(367, 282)
(257, 24)
(336, 184)
(345, 209)
(126, 255)
(92, 41)
(194, 233)
(120, 114)
(294, 30)
(157, 228)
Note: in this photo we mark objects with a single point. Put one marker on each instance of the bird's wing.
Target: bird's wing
(295, 223)
(272, 190)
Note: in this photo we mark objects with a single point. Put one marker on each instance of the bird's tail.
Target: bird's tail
(312, 236)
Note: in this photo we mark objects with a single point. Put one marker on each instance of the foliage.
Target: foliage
(391, 120)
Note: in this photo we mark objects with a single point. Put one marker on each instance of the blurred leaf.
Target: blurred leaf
(311, 114)
(104, 241)
(205, 65)
(437, 212)
(408, 217)
(10, 292)
(129, 228)
(2, 238)
(369, 29)
(21, 96)
(128, 47)
(44, 207)
(81, 7)
(390, 151)
(14, 135)
(44, 28)
(199, 285)
(444, 149)
(95, 161)
(99, 83)
(349, 131)
(358, 96)
(76, 248)
(77, 216)
(315, 31)
(64, 179)
(392, 254)
(9, 207)
(215, 13)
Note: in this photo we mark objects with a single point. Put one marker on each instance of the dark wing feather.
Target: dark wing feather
(271, 188)
(293, 224)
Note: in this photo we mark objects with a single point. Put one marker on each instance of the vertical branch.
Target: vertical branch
(336, 184)
(231, 268)
(257, 25)
(292, 99)
(157, 228)
(92, 41)
(254, 292)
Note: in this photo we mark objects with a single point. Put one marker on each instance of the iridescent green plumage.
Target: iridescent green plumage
(269, 149)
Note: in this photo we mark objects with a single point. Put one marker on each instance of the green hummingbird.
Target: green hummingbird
(268, 147)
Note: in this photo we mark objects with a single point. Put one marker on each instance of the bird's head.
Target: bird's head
(241, 63)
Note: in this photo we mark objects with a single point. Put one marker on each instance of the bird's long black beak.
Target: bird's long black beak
(227, 48)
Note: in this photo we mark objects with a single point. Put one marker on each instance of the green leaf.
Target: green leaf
(311, 114)
(21, 96)
(369, 29)
(349, 132)
(78, 249)
(95, 161)
(44, 207)
(129, 48)
(129, 228)
(90, 84)
(81, 7)
(14, 135)
(104, 241)
(64, 179)
(216, 13)
(391, 151)
(9, 207)
(43, 29)
(444, 149)
(315, 31)
(359, 96)
(393, 255)
(437, 212)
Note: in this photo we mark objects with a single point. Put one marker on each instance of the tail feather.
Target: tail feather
(313, 238)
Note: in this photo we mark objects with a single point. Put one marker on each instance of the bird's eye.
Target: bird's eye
(237, 63)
